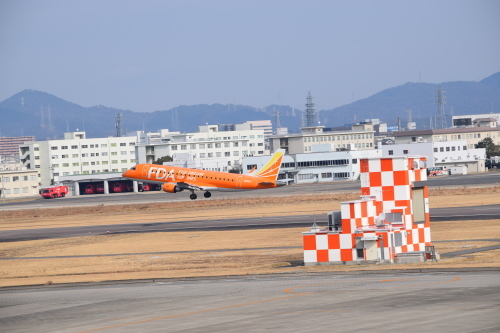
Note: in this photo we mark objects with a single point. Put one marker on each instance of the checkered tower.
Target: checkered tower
(391, 217)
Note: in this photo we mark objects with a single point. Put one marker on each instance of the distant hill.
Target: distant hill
(462, 97)
(27, 112)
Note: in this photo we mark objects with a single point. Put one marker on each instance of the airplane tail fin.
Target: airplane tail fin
(271, 169)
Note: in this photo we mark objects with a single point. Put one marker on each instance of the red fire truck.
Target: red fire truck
(54, 192)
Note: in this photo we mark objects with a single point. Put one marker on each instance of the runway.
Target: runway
(457, 301)
(437, 214)
(482, 180)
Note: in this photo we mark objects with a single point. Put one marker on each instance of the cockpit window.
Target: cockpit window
(132, 168)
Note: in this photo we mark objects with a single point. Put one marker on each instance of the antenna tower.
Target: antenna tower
(441, 117)
(277, 121)
(410, 115)
(118, 124)
(310, 112)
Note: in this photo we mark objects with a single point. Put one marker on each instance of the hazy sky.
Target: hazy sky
(155, 55)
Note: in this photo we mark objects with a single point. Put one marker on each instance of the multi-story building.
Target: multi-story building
(442, 154)
(76, 155)
(17, 181)
(471, 134)
(317, 167)
(9, 146)
(477, 120)
(207, 144)
(360, 137)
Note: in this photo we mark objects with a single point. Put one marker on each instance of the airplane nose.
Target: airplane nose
(125, 174)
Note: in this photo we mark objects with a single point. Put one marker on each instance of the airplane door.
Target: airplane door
(145, 169)
(239, 181)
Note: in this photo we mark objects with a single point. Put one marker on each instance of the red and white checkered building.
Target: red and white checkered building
(391, 218)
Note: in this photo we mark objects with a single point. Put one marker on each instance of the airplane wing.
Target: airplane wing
(186, 186)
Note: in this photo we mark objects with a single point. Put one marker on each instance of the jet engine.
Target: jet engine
(171, 188)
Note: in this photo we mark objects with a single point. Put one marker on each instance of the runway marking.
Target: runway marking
(288, 290)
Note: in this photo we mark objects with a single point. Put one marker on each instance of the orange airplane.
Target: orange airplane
(175, 179)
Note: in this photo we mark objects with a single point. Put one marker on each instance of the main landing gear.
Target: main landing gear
(193, 195)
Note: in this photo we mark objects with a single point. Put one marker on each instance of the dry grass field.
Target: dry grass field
(211, 253)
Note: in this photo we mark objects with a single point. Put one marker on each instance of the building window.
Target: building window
(391, 152)
(447, 148)
(341, 174)
(202, 146)
(74, 147)
(122, 144)
(235, 144)
(326, 175)
(104, 145)
(193, 146)
(65, 165)
(173, 147)
(183, 147)
(53, 148)
(405, 151)
(92, 146)
(55, 157)
(85, 146)
(435, 149)
(227, 154)
(15, 178)
(33, 177)
(114, 153)
(64, 156)
(236, 153)
(6, 179)
(113, 145)
(64, 147)
(441, 149)
(25, 178)
(453, 148)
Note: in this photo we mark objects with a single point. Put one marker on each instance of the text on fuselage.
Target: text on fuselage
(162, 174)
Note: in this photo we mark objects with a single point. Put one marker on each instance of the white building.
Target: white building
(360, 137)
(17, 181)
(207, 144)
(477, 120)
(317, 167)
(75, 155)
(442, 154)
(471, 134)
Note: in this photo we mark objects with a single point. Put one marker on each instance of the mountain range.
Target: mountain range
(44, 116)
